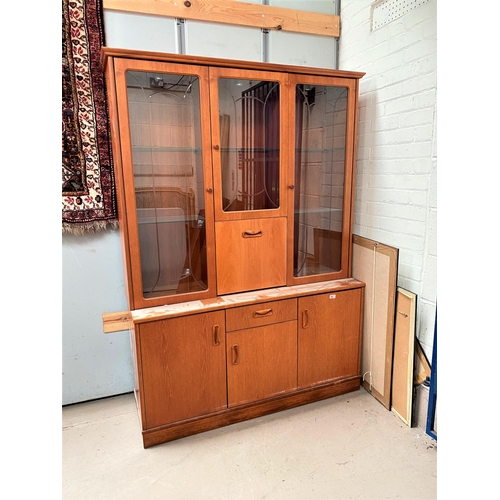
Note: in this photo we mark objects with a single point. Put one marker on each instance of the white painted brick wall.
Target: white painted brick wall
(396, 201)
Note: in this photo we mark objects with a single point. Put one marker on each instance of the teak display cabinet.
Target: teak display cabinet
(235, 186)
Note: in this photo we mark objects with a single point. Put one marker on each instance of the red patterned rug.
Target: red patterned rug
(88, 188)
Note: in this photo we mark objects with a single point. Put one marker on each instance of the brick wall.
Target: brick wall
(396, 201)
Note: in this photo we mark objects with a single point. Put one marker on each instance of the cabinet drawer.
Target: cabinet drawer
(251, 254)
(265, 313)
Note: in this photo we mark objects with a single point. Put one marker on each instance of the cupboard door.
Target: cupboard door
(167, 181)
(183, 362)
(329, 337)
(251, 254)
(249, 134)
(322, 142)
(261, 362)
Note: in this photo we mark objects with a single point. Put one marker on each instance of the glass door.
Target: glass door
(167, 180)
(249, 135)
(322, 139)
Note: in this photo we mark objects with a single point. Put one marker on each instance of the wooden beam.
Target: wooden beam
(232, 12)
(117, 321)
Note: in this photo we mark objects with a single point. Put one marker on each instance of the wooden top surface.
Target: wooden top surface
(240, 299)
(108, 52)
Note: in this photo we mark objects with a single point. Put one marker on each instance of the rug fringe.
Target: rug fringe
(88, 227)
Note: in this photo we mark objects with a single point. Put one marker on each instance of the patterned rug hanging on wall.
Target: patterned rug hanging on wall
(88, 187)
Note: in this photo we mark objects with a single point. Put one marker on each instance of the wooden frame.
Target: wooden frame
(235, 13)
(349, 161)
(341, 383)
(108, 53)
(404, 353)
(125, 172)
(376, 265)
(117, 61)
(182, 386)
(215, 74)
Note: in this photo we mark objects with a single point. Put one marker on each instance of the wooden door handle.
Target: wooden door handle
(215, 331)
(305, 318)
(236, 354)
(262, 312)
(252, 234)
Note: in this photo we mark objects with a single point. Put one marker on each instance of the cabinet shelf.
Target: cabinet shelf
(166, 149)
(318, 210)
(172, 219)
(318, 150)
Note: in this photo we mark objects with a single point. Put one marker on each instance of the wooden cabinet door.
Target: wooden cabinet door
(261, 362)
(183, 365)
(251, 254)
(329, 337)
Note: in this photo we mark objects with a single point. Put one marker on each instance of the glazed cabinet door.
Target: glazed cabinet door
(322, 139)
(165, 181)
(329, 337)
(261, 362)
(249, 129)
(182, 368)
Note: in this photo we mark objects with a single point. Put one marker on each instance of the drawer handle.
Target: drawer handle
(252, 234)
(236, 355)
(263, 312)
(215, 331)
(305, 318)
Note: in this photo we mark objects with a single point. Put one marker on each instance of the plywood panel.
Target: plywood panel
(404, 348)
(422, 367)
(376, 265)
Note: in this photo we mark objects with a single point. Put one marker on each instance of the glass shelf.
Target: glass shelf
(167, 149)
(318, 210)
(318, 150)
(168, 219)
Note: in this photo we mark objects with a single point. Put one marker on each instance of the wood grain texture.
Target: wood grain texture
(376, 265)
(183, 368)
(232, 301)
(261, 362)
(329, 335)
(117, 322)
(230, 416)
(250, 262)
(235, 13)
(261, 314)
(109, 53)
(404, 351)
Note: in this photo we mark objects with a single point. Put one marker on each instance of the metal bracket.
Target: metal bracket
(181, 35)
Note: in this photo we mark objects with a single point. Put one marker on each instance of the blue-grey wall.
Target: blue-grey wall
(94, 364)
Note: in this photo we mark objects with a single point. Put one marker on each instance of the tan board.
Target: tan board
(404, 352)
(376, 265)
(422, 368)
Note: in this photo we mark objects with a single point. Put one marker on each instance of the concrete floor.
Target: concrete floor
(342, 448)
